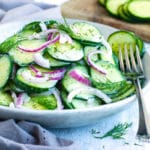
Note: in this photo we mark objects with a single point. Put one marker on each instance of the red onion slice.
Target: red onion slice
(42, 47)
(92, 64)
(79, 77)
(89, 90)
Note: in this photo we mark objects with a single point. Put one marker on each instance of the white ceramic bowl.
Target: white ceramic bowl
(69, 118)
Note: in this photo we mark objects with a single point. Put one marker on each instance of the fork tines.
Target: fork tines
(130, 62)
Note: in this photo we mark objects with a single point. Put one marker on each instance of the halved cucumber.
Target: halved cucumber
(139, 9)
(5, 69)
(120, 38)
(113, 5)
(23, 58)
(24, 80)
(66, 52)
(85, 33)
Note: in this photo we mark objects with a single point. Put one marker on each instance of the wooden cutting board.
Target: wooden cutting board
(92, 11)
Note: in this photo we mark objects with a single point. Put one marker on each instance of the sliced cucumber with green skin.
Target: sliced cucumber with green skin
(70, 83)
(89, 49)
(23, 58)
(120, 38)
(82, 104)
(78, 103)
(5, 69)
(66, 52)
(126, 94)
(55, 62)
(113, 73)
(85, 33)
(24, 80)
(35, 26)
(113, 5)
(64, 100)
(6, 45)
(5, 98)
(41, 102)
(139, 10)
(122, 14)
(103, 56)
(110, 88)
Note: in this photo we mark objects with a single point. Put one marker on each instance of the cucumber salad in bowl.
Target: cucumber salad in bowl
(49, 65)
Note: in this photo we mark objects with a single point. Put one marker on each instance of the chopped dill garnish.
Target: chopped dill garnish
(116, 133)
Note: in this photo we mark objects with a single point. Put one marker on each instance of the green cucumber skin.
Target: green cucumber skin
(136, 40)
(29, 86)
(29, 89)
(9, 70)
(110, 11)
(128, 93)
(10, 42)
(133, 16)
(84, 37)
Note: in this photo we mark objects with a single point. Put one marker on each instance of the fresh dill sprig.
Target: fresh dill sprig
(116, 133)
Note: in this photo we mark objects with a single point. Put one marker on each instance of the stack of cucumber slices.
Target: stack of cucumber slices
(128, 10)
(54, 66)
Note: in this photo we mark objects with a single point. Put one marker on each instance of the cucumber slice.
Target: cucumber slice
(120, 38)
(113, 73)
(5, 69)
(82, 104)
(26, 83)
(110, 88)
(87, 50)
(126, 94)
(113, 5)
(5, 98)
(66, 52)
(78, 103)
(23, 58)
(122, 14)
(70, 83)
(139, 9)
(85, 33)
(13, 40)
(41, 102)
(55, 62)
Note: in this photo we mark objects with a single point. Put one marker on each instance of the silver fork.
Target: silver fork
(131, 65)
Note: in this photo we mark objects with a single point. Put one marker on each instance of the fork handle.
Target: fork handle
(144, 119)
